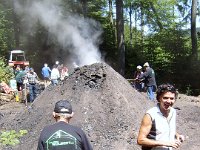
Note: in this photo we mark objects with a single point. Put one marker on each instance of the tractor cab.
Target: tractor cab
(17, 57)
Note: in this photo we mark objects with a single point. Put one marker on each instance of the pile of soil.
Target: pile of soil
(106, 107)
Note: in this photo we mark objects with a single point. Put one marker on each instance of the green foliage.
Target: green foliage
(108, 46)
(188, 90)
(6, 73)
(6, 30)
(11, 137)
(166, 51)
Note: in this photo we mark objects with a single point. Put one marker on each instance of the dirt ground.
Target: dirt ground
(106, 107)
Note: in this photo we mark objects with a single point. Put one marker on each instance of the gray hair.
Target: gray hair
(64, 115)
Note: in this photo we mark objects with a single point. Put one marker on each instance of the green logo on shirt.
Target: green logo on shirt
(61, 139)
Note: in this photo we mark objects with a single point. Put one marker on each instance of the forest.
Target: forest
(122, 33)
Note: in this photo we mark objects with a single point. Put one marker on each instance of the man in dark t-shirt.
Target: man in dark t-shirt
(150, 82)
(62, 135)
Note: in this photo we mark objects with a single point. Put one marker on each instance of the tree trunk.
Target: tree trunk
(157, 18)
(130, 26)
(193, 29)
(16, 27)
(110, 11)
(84, 7)
(142, 26)
(136, 26)
(120, 35)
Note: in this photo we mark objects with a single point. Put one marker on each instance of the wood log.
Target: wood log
(6, 97)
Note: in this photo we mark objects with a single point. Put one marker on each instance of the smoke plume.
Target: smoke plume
(78, 35)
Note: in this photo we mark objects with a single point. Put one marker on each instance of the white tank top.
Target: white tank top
(163, 129)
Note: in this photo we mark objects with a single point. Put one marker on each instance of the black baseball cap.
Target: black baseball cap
(63, 106)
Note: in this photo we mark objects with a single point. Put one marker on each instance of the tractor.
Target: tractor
(17, 57)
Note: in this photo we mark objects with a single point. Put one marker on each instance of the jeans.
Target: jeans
(150, 92)
(54, 81)
(139, 86)
(32, 92)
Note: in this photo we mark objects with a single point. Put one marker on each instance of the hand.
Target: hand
(181, 138)
(174, 144)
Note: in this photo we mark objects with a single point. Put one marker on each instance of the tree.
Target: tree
(110, 11)
(84, 7)
(120, 35)
(16, 27)
(6, 28)
(193, 29)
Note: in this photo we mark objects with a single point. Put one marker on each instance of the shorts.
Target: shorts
(46, 78)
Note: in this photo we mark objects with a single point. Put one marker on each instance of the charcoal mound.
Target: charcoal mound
(106, 107)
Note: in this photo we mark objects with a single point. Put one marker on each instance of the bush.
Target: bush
(6, 72)
(11, 138)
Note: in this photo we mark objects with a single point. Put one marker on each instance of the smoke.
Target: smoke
(80, 36)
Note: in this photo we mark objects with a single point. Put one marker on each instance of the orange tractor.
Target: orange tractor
(17, 57)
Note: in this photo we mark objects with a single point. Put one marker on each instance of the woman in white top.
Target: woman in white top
(55, 75)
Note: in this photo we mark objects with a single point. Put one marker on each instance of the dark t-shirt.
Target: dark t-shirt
(63, 136)
(149, 76)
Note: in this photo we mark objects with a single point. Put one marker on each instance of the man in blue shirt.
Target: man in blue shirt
(46, 74)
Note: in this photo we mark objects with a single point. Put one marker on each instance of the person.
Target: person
(62, 135)
(55, 75)
(139, 85)
(17, 70)
(20, 79)
(46, 71)
(32, 82)
(26, 69)
(158, 127)
(57, 64)
(149, 79)
(66, 71)
(60, 67)
(63, 72)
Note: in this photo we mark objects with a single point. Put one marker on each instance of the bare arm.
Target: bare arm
(144, 131)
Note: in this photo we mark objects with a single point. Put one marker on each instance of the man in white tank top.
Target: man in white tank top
(158, 127)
